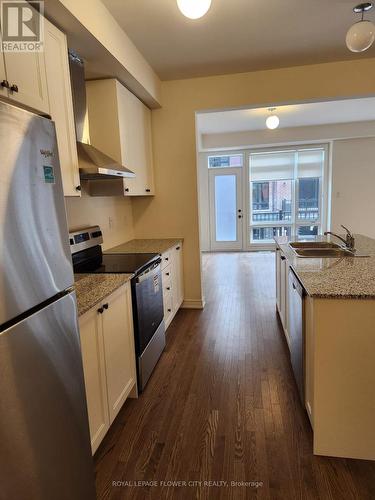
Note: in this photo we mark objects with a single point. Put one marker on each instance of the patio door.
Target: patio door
(226, 210)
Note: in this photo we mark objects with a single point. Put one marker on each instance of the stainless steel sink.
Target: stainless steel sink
(313, 244)
(323, 252)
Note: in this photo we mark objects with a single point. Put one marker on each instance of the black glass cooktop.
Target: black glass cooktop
(132, 263)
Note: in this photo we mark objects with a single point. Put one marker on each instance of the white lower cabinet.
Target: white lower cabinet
(107, 344)
(119, 351)
(173, 282)
(282, 272)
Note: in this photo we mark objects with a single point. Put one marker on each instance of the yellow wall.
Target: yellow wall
(89, 211)
(174, 210)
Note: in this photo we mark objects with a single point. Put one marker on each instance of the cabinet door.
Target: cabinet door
(92, 348)
(284, 295)
(3, 90)
(136, 149)
(61, 106)
(168, 308)
(278, 278)
(27, 71)
(177, 276)
(118, 348)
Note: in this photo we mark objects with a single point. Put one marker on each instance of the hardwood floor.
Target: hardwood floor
(222, 405)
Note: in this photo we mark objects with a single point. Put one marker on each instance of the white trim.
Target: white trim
(193, 304)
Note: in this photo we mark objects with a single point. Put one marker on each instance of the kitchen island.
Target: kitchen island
(338, 338)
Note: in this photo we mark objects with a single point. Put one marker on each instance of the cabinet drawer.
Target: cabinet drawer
(167, 274)
(167, 286)
(168, 307)
(166, 259)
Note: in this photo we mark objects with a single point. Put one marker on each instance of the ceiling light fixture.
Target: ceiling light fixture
(194, 9)
(272, 121)
(361, 35)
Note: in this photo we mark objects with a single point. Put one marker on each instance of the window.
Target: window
(224, 161)
(261, 195)
(286, 193)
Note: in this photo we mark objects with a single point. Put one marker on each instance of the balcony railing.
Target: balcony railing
(307, 210)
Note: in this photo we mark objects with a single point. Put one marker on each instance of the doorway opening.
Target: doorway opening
(305, 177)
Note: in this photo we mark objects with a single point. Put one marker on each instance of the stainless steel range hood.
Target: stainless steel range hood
(93, 164)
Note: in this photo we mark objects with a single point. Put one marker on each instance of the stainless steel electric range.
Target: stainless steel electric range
(147, 292)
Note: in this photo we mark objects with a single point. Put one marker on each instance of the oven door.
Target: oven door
(148, 305)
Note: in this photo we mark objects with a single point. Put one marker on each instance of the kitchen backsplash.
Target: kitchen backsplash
(113, 214)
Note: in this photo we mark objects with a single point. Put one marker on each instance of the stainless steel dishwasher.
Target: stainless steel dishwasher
(296, 331)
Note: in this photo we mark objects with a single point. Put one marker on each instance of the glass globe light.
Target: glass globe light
(272, 122)
(360, 36)
(194, 9)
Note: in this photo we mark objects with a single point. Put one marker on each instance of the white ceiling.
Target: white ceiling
(237, 35)
(296, 115)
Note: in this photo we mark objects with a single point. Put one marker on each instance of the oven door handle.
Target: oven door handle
(148, 273)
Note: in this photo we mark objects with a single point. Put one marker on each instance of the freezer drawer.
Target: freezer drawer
(45, 445)
(35, 261)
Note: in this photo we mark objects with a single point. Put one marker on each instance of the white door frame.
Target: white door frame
(240, 212)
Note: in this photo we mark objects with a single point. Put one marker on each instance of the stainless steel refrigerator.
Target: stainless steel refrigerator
(45, 448)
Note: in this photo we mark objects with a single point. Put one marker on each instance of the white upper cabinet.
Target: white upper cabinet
(61, 106)
(136, 147)
(26, 74)
(25, 77)
(120, 126)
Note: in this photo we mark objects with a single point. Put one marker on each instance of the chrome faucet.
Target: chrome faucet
(349, 241)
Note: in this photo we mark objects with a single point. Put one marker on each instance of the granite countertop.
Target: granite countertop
(93, 288)
(146, 246)
(344, 277)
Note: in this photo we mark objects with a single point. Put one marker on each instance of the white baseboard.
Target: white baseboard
(193, 304)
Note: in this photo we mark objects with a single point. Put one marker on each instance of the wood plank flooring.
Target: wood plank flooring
(222, 406)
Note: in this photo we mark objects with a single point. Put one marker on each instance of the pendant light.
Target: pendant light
(361, 35)
(194, 9)
(272, 121)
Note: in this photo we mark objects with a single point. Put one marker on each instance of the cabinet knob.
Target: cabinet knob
(178, 248)
(148, 190)
(127, 190)
(78, 188)
(168, 287)
(105, 306)
(14, 88)
(240, 216)
(166, 258)
(169, 310)
(100, 310)
(167, 274)
(5, 84)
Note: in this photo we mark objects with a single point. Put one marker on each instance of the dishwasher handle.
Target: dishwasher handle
(297, 287)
